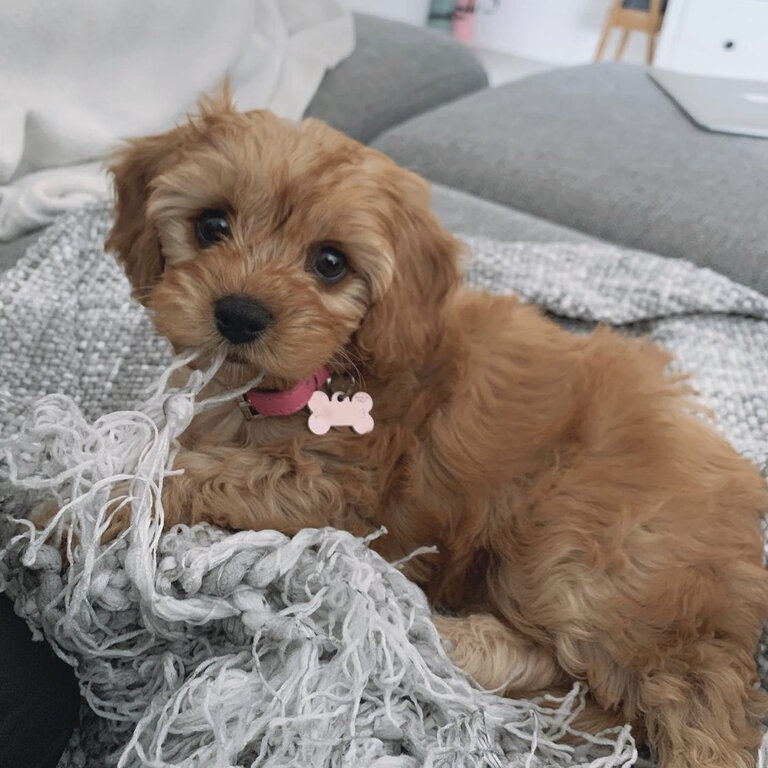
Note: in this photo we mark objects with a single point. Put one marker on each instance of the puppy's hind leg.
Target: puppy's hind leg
(498, 657)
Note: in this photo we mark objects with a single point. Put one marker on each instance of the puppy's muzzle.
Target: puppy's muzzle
(240, 319)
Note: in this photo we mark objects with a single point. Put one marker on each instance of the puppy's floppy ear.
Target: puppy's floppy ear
(402, 323)
(133, 237)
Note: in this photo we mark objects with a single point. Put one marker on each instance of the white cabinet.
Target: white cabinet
(721, 38)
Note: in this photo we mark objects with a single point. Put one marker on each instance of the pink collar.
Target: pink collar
(284, 403)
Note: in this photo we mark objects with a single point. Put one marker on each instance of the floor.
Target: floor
(505, 67)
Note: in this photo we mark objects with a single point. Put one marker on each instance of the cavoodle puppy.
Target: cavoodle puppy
(589, 524)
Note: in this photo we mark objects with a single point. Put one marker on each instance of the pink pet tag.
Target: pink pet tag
(325, 412)
(338, 410)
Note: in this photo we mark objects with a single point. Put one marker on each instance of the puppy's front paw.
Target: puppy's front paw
(40, 516)
(42, 513)
(175, 495)
(118, 512)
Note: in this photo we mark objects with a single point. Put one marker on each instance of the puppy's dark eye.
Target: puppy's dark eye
(211, 227)
(329, 264)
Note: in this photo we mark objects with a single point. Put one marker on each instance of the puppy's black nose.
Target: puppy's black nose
(241, 319)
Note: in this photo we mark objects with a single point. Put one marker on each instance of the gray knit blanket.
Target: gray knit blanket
(258, 650)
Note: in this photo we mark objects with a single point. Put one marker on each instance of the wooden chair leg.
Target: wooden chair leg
(622, 44)
(656, 16)
(651, 49)
(610, 23)
(603, 42)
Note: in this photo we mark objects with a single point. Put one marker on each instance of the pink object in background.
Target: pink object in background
(464, 27)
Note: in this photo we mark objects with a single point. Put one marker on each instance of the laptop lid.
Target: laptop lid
(718, 103)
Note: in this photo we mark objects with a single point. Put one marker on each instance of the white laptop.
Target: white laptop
(718, 103)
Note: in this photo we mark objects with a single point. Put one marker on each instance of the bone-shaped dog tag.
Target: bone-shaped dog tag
(338, 410)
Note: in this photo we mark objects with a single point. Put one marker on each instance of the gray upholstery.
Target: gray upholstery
(601, 149)
(469, 215)
(394, 73)
(591, 152)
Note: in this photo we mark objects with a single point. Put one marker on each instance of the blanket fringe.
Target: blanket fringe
(198, 647)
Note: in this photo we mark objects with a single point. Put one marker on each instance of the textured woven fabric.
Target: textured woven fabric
(68, 324)
(334, 677)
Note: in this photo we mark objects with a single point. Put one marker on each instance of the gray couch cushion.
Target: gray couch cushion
(395, 72)
(469, 215)
(601, 149)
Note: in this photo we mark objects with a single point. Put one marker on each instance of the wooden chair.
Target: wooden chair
(632, 16)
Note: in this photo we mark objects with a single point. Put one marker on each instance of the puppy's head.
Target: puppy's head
(288, 245)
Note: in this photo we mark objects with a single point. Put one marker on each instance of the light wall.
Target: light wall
(555, 31)
(409, 11)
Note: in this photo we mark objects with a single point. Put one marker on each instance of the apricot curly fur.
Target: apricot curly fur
(590, 525)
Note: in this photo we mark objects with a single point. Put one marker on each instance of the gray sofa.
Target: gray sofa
(600, 149)
(587, 153)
